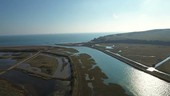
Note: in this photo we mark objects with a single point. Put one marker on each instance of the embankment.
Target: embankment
(134, 64)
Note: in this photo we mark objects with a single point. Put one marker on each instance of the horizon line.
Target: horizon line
(85, 32)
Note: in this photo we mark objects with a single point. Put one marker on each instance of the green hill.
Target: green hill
(157, 36)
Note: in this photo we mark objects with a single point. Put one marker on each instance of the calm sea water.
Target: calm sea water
(48, 39)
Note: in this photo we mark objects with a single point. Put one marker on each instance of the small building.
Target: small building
(108, 47)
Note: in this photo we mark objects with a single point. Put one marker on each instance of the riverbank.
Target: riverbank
(89, 79)
(135, 64)
(143, 67)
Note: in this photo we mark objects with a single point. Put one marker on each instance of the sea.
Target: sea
(47, 39)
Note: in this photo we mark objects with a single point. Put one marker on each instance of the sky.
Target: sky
(82, 16)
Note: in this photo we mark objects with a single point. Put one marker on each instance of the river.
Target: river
(134, 81)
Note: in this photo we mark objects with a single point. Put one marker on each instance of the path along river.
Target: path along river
(134, 81)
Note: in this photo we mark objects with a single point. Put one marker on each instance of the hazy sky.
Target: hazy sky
(70, 16)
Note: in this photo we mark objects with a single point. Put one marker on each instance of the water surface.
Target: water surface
(47, 39)
(132, 80)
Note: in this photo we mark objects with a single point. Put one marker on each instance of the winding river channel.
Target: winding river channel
(134, 81)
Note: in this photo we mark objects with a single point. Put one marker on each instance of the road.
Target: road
(162, 62)
(147, 68)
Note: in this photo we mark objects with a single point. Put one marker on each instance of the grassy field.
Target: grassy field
(63, 50)
(143, 53)
(150, 35)
(47, 64)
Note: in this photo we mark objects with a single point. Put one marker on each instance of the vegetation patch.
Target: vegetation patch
(15, 55)
(46, 63)
(63, 50)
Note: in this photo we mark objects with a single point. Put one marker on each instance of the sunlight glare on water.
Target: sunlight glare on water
(132, 80)
(147, 85)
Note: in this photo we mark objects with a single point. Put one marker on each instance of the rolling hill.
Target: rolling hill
(157, 36)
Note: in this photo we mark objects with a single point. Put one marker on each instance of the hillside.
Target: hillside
(157, 36)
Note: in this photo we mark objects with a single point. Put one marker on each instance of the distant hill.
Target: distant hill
(157, 36)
